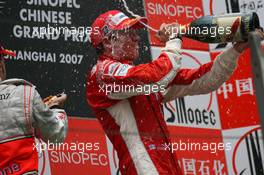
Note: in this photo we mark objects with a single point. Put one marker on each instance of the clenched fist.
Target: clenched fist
(168, 31)
(241, 46)
(55, 101)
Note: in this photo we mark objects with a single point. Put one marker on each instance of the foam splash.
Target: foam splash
(137, 16)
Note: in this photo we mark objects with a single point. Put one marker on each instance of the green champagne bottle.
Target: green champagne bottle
(221, 28)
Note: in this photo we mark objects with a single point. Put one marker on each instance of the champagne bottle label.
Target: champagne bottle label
(231, 26)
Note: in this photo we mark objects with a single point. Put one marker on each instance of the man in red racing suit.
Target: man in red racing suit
(127, 99)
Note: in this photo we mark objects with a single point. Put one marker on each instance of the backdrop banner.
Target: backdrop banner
(51, 40)
(213, 134)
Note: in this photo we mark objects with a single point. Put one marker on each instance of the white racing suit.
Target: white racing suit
(22, 115)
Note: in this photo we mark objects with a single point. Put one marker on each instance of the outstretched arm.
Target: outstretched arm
(51, 124)
(205, 79)
(208, 77)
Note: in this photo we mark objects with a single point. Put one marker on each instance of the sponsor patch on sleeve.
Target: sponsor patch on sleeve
(122, 70)
(112, 68)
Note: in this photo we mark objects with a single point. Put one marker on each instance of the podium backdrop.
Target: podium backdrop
(56, 62)
(224, 125)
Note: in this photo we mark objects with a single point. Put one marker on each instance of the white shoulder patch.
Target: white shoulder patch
(112, 68)
(122, 70)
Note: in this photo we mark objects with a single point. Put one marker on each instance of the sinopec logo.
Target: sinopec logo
(197, 111)
(250, 150)
(173, 9)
